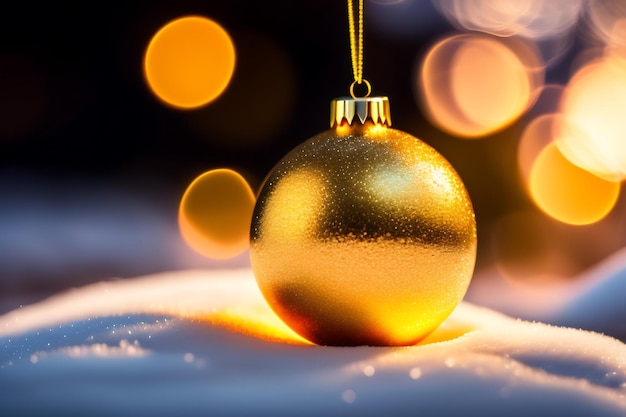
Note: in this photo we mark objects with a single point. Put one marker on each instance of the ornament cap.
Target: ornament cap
(358, 110)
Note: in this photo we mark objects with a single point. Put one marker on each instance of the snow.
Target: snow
(203, 342)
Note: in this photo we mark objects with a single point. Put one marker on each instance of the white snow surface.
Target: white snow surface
(204, 342)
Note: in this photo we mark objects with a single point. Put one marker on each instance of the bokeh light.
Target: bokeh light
(215, 214)
(536, 136)
(534, 19)
(473, 85)
(259, 101)
(189, 62)
(605, 20)
(594, 103)
(569, 193)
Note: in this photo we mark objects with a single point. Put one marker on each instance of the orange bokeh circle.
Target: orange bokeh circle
(189, 62)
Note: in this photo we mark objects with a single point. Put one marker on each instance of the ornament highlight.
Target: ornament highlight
(363, 234)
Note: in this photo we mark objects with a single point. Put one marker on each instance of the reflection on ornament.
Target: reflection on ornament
(363, 234)
(214, 214)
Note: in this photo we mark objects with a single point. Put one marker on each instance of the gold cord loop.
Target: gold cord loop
(363, 81)
(356, 46)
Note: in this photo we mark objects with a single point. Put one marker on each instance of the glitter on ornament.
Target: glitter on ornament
(363, 234)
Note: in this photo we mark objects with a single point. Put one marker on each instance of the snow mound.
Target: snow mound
(205, 343)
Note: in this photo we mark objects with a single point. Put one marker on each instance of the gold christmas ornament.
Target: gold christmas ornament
(363, 234)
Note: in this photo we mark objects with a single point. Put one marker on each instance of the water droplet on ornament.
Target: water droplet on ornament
(214, 215)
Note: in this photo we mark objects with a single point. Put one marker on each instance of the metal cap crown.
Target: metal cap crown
(358, 110)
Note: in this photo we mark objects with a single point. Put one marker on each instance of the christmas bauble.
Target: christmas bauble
(363, 234)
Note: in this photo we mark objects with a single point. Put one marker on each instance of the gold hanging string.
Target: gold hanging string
(356, 48)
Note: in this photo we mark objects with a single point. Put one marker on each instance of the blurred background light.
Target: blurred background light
(549, 23)
(569, 193)
(537, 134)
(605, 22)
(473, 85)
(594, 103)
(534, 19)
(215, 214)
(189, 62)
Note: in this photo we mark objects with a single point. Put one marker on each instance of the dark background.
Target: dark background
(99, 119)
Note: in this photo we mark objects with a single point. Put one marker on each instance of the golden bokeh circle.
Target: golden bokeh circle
(567, 192)
(472, 85)
(214, 214)
(593, 135)
(189, 62)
